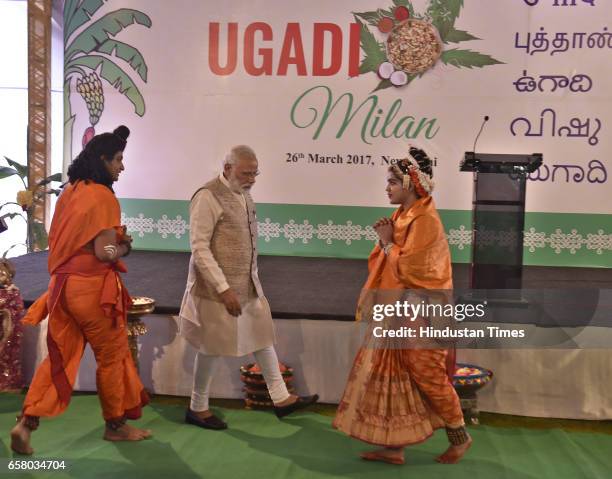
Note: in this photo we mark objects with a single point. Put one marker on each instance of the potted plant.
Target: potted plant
(36, 239)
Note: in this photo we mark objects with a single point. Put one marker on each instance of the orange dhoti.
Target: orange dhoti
(78, 319)
(86, 303)
(80, 314)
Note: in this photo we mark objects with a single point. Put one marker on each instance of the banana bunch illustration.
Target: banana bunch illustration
(90, 88)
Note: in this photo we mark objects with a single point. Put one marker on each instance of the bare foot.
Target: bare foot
(20, 439)
(290, 400)
(388, 455)
(126, 433)
(454, 453)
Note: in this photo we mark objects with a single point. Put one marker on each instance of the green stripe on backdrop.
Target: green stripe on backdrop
(551, 239)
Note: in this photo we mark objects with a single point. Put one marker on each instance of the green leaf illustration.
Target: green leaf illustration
(125, 52)
(382, 85)
(373, 17)
(467, 59)
(70, 7)
(68, 129)
(387, 83)
(457, 36)
(6, 171)
(374, 51)
(443, 15)
(371, 64)
(22, 170)
(77, 14)
(370, 17)
(115, 76)
(385, 13)
(90, 39)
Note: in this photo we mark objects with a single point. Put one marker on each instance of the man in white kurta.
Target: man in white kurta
(224, 311)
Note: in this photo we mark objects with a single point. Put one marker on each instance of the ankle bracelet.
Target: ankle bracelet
(457, 436)
(31, 422)
(115, 423)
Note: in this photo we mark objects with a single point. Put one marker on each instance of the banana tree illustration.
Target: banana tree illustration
(90, 51)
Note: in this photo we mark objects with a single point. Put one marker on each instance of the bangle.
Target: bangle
(387, 248)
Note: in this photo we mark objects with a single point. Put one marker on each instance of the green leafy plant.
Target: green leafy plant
(442, 14)
(37, 238)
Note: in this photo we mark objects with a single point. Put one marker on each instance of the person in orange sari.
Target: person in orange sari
(398, 396)
(86, 301)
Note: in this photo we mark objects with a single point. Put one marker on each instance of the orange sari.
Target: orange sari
(397, 397)
(86, 303)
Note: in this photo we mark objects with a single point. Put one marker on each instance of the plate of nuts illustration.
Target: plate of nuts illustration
(413, 46)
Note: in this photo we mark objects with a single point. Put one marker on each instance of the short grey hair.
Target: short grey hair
(238, 152)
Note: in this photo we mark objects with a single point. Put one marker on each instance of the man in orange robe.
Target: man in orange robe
(86, 301)
(397, 396)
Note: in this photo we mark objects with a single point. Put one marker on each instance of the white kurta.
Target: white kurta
(206, 324)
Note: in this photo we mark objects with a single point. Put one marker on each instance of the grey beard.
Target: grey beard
(236, 187)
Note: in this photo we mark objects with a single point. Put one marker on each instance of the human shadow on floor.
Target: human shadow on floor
(150, 457)
(316, 447)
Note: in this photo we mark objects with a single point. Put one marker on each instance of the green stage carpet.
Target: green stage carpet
(257, 445)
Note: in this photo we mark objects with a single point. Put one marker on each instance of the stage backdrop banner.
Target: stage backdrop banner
(329, 94)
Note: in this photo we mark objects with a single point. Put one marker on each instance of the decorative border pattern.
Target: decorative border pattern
(305, 232)
(572, 241)
(550, 239)
(164, 226)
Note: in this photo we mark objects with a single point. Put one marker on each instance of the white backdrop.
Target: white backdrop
(194, 115)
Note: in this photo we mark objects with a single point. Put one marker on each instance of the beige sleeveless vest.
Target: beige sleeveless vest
(233, 245)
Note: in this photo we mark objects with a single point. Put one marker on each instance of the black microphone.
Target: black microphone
(486, 118)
